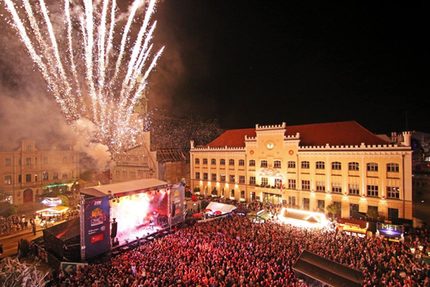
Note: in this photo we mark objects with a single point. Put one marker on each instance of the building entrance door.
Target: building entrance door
(28, 195)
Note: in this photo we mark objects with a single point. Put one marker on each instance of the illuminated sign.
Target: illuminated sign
(95, 227)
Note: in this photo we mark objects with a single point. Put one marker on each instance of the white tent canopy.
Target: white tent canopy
(224, 208)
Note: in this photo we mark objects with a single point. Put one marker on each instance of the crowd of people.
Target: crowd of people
(14, 223)
(234, 251)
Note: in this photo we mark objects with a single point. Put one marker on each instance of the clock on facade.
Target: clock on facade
(270, 145)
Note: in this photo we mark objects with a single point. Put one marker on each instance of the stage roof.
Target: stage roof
(126, 187)
(66, 230)
(327, 271)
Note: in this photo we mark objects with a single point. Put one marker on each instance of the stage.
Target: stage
(117, 214)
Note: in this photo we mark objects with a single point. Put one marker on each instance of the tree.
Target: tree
(333, 209)
(7, 209)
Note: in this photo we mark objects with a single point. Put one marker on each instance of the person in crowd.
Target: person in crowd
(234, 251)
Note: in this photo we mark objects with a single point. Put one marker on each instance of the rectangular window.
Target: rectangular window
(393, 213)
(392, 167)
(306, 184)
(19, 178)
(231, 179)
(292, 200)
(242, 179)
(291, 184)
(291, 164)
(353, 189)
(321, 205)
(393, 192)
(28, 161)
(336, 165)
(354, 166)
(306, 203)
(336, 187)
(197, 175)
(28, 178)
(252, 180)
(264, 181)
(277, 164)
(372, 166)
(241, 162)
(320, 186)
(8, 161)
(252, 162)
(320, 165)
(205, 176)
(65, 176)
(213, 161)
(7, 179)
(222, 161)
(197, 161)
(232, 193)
(242, 194)
(205, 161)
(305, 165)
(372, 190)
(278, 182)
(231, 162)
(263, 163)
(222, 178)
(45, 175)
(213, 176)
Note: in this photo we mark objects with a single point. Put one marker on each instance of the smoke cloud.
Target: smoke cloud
(28, 110)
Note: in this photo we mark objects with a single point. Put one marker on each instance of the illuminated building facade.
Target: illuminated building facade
(25, 170)
(340, 164)
(136, 163)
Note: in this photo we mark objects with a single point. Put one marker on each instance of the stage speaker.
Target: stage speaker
(113, 229)
(173, 209)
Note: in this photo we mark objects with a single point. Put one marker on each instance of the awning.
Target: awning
(53, 211)
(265, 215)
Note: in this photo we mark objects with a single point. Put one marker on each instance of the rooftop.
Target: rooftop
(334, 133)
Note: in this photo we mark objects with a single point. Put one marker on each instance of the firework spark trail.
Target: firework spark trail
(142, 86)
(88, 32)
(96, 97)
(71, 57)
(35, 57)
(59, 64)
(136, 4)
(101, 58)
(137, 47)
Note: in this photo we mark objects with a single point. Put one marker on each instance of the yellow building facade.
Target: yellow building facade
(27, 169)
(309, 167)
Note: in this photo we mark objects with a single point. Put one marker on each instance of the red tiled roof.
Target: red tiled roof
(335, 133)
(233, 138)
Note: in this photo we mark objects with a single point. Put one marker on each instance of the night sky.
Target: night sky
(248, 62)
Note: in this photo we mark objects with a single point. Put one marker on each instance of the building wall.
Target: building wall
(174, 172)
(26, 170)
(271, 145)
(136, 163)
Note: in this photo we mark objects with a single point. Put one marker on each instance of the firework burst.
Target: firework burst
(93, 66)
